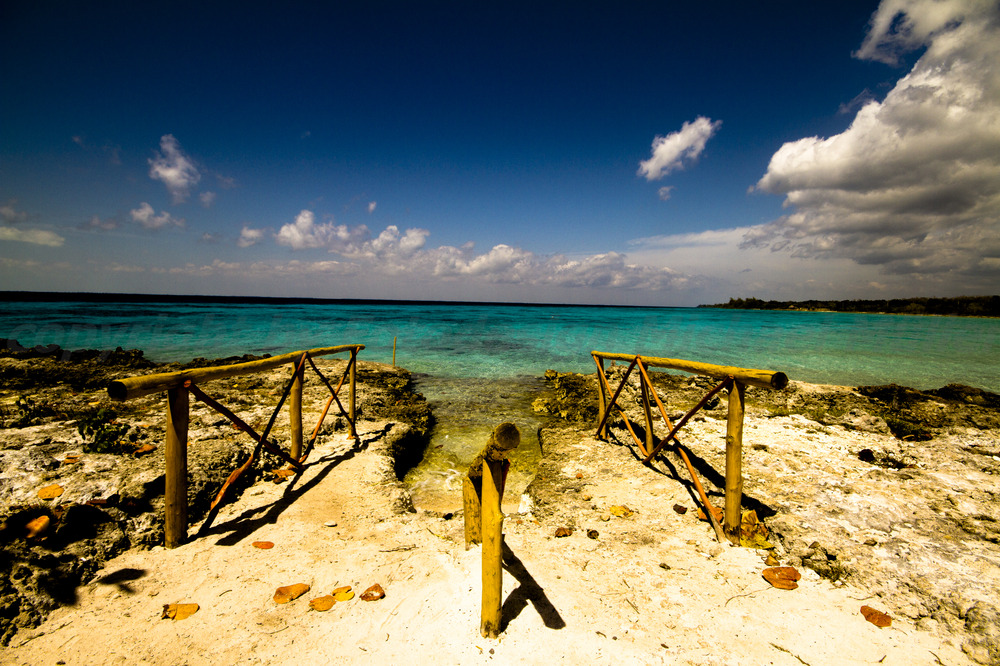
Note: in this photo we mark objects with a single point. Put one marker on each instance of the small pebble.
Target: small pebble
(605, 517)
(593, 534)
(331, 523)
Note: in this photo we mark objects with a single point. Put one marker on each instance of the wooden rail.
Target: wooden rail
(180, 385)
(735, 380)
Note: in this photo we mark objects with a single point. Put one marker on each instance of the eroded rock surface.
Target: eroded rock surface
(112, 501)
(887, 489)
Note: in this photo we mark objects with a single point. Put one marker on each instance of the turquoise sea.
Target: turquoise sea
(480, 364)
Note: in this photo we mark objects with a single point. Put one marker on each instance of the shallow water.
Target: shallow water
(479, 365)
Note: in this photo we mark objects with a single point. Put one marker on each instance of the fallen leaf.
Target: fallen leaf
(284, 473)
(783, 578)
(285, 594)
(37, 526)
(144, 449)
(719, 514)
(373, 593)
(178, 611)
(50, 492)
(323, 603)
(343, 593)
(593, 534)
(563, 532)
(579, 475)
(878, 618)
(680, 508)
(620, 510)
(71, 458)
(771, 560)
(263, 545)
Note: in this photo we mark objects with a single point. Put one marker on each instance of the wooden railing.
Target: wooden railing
(180, 385)
(734, 380)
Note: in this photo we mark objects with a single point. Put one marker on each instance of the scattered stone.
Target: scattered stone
(563, 532)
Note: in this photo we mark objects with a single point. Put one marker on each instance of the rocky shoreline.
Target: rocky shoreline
(59, 429)
(884, 490)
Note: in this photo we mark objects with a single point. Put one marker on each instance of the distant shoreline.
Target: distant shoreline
(959, 306)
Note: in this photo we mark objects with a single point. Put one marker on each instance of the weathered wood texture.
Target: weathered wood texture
(175, 460)
(734, 462)
(492, 549)
(748, 376)
(136, 387)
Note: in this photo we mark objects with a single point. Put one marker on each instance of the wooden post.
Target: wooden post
(394, 351)
(646, 408)
(492, 548)
(295, 412)
(175, 454)
(734, 462)
(473, 512)
(603, 433)
(353, 397)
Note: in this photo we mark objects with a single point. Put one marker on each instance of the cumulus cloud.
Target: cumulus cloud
(11, 215)
(250, 236)
(174, 169)
(913, 185)
(371, 207)
(147, 217)
(10, 230)
(396, 252)
(207, 199)
(33, 236)
(672, 151)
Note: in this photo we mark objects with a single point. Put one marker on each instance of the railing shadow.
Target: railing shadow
(527, 590)
(239, 527)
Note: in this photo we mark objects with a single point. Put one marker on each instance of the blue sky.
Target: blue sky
(623, 153)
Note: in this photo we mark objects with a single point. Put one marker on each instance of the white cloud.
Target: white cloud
(250, 236)
(371, 207)
(97, 223)
(10, 215)
(174, 169)
(671, 151)
(305, 233)
(913, 185)
(147, 217)
(207, 199)
(665, 192)
(33, 236)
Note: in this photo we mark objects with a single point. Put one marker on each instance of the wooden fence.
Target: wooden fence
(734, 380)
(180, 385)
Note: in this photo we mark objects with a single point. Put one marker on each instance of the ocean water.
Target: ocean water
(479, 365)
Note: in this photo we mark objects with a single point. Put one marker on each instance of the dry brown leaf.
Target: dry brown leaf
(563, 532)
(50, 492)
(323, 603)
(373, 593)
(620, 510)
(878, 618)
(343, 593)
(719, 514)
(71, 458)
(263, 545)
(680, 508)
(783, 578)
(144, 449)
(289, 592)
(37, 526)
(283, 473)
(178, 611)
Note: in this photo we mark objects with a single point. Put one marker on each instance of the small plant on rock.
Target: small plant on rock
(101, 431)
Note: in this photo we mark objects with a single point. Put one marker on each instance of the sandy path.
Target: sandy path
(569, 600)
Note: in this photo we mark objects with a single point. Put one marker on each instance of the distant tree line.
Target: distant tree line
(963, 306)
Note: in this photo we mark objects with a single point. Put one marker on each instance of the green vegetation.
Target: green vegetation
(101, 431)
(962, 306)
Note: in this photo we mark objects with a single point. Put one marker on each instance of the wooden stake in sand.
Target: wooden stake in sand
(482, 493)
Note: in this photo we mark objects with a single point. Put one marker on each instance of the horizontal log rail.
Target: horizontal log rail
(734, 380)
(179, 387)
